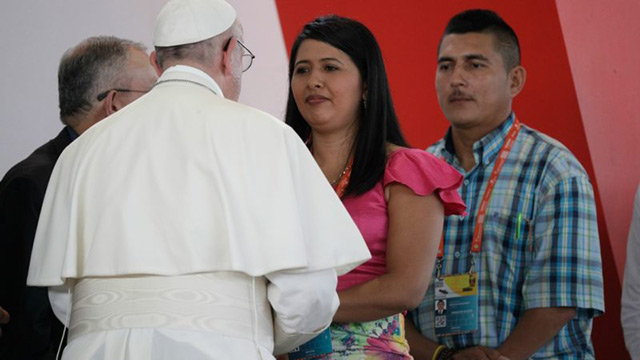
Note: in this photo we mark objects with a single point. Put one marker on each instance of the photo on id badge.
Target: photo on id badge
(456, 304)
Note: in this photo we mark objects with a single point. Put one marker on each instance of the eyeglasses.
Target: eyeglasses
(247, 59)
(104, 94)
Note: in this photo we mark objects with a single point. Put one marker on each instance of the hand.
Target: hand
(479, 353)
(4, 318)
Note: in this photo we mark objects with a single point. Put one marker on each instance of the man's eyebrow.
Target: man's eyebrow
(465, 57)
(444, 58)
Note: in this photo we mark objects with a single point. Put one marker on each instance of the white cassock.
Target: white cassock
(188, 226)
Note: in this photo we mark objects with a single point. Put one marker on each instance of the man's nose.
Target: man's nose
(458, 77)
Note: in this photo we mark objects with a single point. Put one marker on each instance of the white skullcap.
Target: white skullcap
(183, 22)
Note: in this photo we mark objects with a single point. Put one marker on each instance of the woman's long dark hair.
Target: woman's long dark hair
(378, 123)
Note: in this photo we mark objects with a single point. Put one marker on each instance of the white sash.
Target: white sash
(224, 303)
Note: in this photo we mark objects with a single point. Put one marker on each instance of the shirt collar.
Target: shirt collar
(206, 79)
(487, 148)
(72, 133)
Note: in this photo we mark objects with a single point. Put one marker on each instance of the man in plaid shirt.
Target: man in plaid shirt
(539, 270)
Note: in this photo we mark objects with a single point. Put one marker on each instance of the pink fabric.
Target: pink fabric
(421, 172)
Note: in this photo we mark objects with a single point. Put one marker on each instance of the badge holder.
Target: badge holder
(318, 346)
(456, 301)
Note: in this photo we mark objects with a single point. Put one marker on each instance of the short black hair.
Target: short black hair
(378, 123)
(488, 22)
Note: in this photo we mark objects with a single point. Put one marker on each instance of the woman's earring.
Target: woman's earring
(364, 103)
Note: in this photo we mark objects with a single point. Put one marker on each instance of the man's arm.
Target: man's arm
(565, 277)
(303, 305)
(422, 348)
(535, 328)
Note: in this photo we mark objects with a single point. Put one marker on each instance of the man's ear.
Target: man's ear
(517, 78)
(109, 104)
(153, 58)
(227, 68)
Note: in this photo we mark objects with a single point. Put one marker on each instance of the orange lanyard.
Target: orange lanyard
(342, 184)
(478, 231)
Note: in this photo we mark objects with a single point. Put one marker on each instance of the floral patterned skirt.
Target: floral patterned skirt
(382, 339)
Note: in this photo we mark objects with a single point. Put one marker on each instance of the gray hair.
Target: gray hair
(200, 52)
(91, 67)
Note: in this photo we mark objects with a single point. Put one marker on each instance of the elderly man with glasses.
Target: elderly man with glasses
(85, 73)
(189, 226)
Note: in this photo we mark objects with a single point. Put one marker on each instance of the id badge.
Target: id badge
(314, 348)
(456, 304)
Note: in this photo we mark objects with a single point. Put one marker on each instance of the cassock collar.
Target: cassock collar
(175, 71)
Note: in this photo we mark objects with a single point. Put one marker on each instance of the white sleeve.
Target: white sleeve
(60, 300)
(630, 314)
(303, 305)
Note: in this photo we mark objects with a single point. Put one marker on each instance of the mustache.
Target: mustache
(459, 95)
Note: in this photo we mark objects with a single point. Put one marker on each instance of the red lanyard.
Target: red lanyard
(478, 231)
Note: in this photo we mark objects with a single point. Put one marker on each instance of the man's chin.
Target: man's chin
(460, 119)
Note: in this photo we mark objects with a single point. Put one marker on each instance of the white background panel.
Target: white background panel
(35, 33)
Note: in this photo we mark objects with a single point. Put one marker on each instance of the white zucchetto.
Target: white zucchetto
(183, 22)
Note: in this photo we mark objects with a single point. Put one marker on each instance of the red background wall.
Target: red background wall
(408, 33)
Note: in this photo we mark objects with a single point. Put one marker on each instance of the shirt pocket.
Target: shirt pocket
(508, 243)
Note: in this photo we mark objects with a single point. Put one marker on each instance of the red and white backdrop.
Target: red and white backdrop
(581, 57)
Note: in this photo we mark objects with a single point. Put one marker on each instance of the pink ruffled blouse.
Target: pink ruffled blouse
(421, 172)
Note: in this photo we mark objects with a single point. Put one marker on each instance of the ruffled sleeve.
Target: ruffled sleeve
(426, 174)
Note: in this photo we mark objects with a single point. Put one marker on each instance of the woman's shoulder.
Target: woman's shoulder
(424, 173)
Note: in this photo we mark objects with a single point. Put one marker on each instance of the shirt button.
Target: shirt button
(466, 182)
(457, 254)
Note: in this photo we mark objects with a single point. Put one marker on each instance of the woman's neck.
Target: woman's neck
(332, 153)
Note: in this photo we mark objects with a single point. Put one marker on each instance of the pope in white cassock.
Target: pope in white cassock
(187, 225)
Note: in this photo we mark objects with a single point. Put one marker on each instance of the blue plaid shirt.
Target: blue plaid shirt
(548, 258)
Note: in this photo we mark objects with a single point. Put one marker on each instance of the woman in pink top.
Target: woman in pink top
(339, 102)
